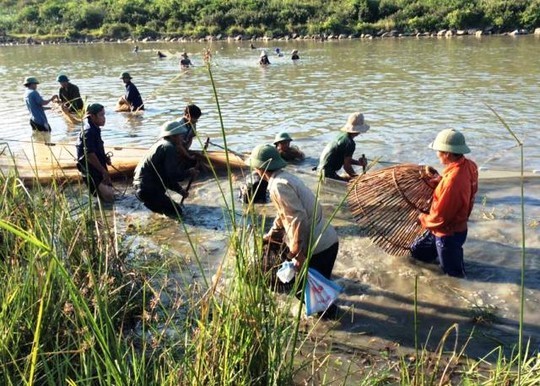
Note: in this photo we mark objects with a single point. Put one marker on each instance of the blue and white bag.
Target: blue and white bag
(320, 292)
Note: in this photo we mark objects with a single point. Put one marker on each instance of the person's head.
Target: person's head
(63, 80)
(263, 54)
(96, 114)
(282, 141)
(192, 113)
(265, 158)
(126, 78)
(355, 125)
(174, 131)
(184, 55)
(31, 82)
(450, 146)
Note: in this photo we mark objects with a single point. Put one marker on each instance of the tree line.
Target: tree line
(120, 19)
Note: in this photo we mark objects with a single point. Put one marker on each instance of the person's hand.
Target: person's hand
(193, 172)
(362, 161)
(106, 178)
(184, 193)
(298, 260)
(428, 172)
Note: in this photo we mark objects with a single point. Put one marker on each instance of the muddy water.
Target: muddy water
(378, 300)
(409, 89)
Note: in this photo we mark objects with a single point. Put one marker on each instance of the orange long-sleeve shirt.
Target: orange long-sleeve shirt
(453, 199)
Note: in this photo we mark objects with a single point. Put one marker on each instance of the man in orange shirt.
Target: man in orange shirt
(453, 200)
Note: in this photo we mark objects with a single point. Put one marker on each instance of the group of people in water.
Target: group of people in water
(298, 213)
(264, 61)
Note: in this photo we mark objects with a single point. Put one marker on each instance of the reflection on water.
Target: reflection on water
(408, 89)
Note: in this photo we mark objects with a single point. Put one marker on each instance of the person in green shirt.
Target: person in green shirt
(162, 169)
(339, 153)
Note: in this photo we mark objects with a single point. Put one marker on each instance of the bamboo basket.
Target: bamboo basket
(386, 205)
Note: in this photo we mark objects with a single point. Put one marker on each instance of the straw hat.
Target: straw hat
(294, 52)
(450, 141)
(265, 157)
(263, 53)
(355, 124)
(281, 137)
(173, 128)
(30, 80)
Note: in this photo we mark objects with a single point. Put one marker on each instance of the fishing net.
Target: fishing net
(386, 204)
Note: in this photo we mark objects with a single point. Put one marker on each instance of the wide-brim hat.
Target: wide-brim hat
(184, 54)
(30, 80)
(173, 128)
(294, 52)
(62, 78)
(263, 53)
(125, 75)
(265, 157)
(282, 137)
(450, 141)
(355, 124)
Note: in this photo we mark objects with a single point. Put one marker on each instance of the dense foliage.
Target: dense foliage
(199, 18)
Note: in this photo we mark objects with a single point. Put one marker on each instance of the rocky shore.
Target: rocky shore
(8, 40)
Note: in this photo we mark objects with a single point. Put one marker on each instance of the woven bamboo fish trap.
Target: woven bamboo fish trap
(386, 204)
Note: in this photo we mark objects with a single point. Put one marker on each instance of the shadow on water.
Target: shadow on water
(391, 318)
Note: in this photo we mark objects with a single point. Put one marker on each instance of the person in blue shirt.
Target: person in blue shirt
(132, 100)
(34, 103)
(92, 160)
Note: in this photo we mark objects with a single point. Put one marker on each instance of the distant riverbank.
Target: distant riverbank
(444, 33)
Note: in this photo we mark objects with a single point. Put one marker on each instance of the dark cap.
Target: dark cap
(94, 108)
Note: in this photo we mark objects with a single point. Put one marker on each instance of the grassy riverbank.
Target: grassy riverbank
(73, 20)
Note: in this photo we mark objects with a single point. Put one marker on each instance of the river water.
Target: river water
(408, 89)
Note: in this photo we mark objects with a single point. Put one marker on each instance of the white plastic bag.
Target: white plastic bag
(320, 292)
(286, 272)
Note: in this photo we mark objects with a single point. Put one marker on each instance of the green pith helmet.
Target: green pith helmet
(94, 108)
(265, 157)
(62, 78)
(450, 141)
(173, 128)
(30, 80)
(125, 75)
(282, 137)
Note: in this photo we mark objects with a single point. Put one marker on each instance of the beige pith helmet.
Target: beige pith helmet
(355, 124)
(265, 157)
(450, 141)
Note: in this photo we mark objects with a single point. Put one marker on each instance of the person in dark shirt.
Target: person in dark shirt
(163, 168)
(191, 116)
(263, 60)
(69, 94)
(132, 100)
(294, 55)
(185, 62)
(91, 158)
(339, 153)
(289, 153)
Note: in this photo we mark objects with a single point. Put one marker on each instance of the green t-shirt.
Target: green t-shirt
(334, 154)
